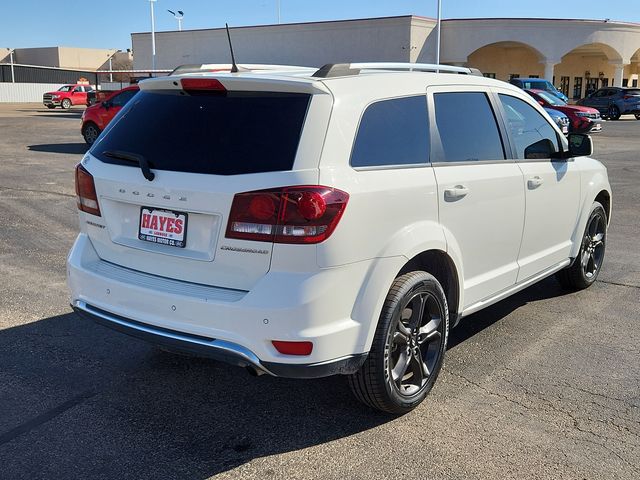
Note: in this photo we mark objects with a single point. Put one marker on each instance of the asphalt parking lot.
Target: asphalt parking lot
(544, 385)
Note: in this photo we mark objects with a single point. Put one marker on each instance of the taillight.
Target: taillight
(304, 214)
(86, 192)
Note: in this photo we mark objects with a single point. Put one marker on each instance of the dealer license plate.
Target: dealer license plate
(164, 227)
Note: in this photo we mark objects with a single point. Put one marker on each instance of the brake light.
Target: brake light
(293, 348)
(304, 214)
(202, 84)
(86, 192)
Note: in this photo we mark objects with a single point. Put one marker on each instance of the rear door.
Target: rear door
(79, 96)
(552, 188)
(480, 193)
(203, 147)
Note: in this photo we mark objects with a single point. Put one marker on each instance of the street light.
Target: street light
(438, 37)
(153, 36)
(178, 16)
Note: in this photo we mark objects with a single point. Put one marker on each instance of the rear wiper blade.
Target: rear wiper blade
(132, 157)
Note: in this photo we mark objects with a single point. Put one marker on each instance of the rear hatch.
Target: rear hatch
(203, 141)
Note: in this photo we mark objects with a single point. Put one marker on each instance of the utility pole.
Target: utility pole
(153, 36)
(278, 2)
(438, 36)
(13, 74)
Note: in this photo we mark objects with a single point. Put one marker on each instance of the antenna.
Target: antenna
(234, 67)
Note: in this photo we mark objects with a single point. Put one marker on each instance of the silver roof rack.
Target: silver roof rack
(342, 69)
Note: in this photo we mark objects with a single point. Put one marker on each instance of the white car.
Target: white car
(305, 223)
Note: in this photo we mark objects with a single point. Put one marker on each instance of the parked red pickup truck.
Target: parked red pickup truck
(66, 96)
(96, 117)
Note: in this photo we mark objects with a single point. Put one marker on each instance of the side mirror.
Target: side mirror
(580, 145)
(541, 149)
(106, 105)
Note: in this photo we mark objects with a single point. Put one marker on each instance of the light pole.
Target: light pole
(178, 16)
(438, 37)
(13, 74)
(278, 4)
(153, 36)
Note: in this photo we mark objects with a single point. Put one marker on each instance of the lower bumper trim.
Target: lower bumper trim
(216, 349)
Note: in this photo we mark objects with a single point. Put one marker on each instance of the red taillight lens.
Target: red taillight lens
(305, 214)
(293, 348)
(86, 192)
(202, 84)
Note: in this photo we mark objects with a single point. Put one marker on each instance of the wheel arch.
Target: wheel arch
(596, 188)
(439, 264)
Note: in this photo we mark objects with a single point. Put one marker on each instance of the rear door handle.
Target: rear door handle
(454, 193)
(534, 182)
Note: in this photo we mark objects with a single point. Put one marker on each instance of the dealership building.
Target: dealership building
(578, 56)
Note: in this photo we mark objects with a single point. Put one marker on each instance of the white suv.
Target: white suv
(306, 223)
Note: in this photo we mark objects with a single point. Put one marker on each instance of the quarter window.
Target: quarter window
(528, 127)
(393, 132)
(467, 127)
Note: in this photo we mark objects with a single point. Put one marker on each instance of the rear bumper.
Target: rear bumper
(220, 350)
(230, 325)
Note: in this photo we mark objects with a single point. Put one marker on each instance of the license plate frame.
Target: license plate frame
(169, 240)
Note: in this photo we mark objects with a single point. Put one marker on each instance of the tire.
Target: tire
(51, 107)
(399, 346)
(613, 112)
(586, 266)
(66, 104)
(637, 116)
(90, 133)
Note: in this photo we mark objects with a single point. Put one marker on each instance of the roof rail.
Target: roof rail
(226, 67)
(342, 69)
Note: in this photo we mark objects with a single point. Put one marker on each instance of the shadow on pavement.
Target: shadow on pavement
(77, 148)
(473, 324)
(81, 401)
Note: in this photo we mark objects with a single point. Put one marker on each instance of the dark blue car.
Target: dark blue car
(538, 84)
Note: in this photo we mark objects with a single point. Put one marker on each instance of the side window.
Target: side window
(393, 132)
(78, 90)
(122, 98)
(467, 127)
(534, 137)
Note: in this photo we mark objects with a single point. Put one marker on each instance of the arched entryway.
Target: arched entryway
(506, 60)
(587, 68)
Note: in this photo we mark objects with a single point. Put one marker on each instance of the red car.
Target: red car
(96, 117)
(66, 96)
(582, 119)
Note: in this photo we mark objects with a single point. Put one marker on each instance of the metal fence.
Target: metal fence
(36, 74)
(25, 92)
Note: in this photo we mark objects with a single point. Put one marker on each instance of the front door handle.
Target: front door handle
(455, 193)
(534, 182)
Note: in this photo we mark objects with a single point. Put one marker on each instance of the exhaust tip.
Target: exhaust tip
(253, 371)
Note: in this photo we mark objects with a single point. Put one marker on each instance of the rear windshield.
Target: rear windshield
(219, 134)
(632, 92)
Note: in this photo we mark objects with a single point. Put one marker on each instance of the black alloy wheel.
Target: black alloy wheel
(613, 112)
(408, 348)
(587, 265)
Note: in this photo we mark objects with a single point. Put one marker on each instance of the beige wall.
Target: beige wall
(307, 44)
(4, 55)
(504, 60)
(83, 58)
(63, 57)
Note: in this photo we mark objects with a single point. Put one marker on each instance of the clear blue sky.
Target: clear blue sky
(109, 23)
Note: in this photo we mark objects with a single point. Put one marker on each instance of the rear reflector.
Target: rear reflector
(86, 192)
(202, 84)
(301, 214)
(293, 348)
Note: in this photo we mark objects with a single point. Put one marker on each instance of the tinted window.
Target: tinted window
(632, 92)
(467, 127)
(393, 132)
(122, 98)
(527, 125)
(220, 134)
